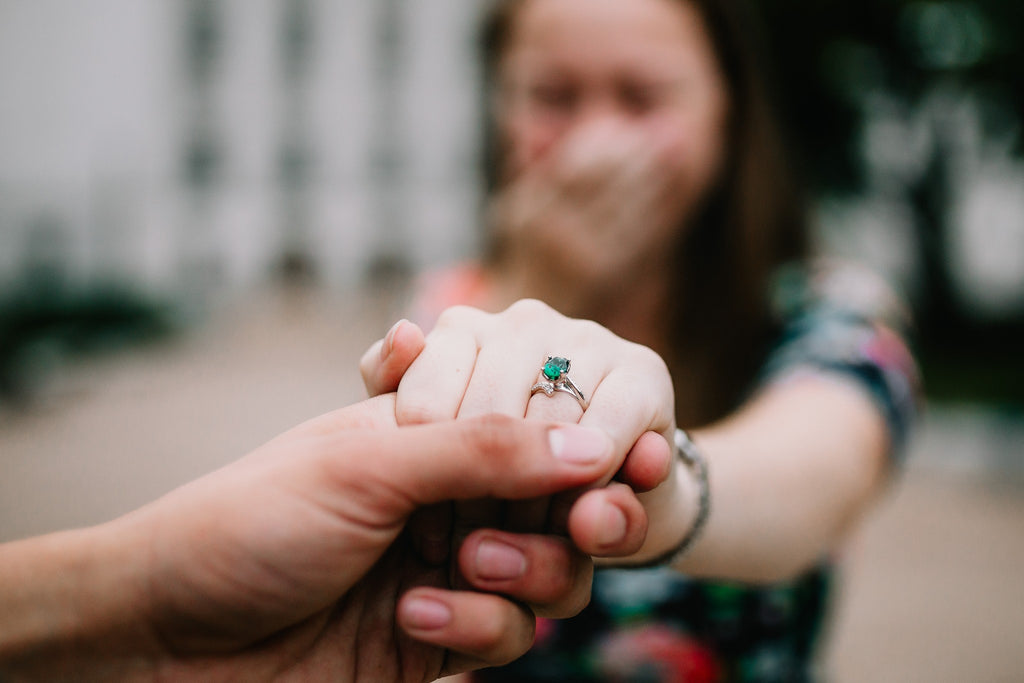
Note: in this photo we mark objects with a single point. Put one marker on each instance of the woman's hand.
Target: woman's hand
(474, 364)
(601, 205)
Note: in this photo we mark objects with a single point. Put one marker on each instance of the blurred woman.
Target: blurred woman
(637, 180)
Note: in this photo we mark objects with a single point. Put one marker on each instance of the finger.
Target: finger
(558, 407)
(513, 352)
(593, 159)
(632, 193)
(515, 211)
(608, 522)
(504, 372)
(374, 414)
(544, 571)
(596, 150)
(634, 398)
(507, 367)
(492, 456)
(387, 361)
(648, 464)
(588, 364)
(432, 389)
(479, 629)
(500, 384)
(623, 194)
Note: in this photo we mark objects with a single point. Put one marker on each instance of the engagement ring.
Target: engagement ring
(555, 377)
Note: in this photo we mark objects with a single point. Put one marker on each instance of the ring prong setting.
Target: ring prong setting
(555, 368)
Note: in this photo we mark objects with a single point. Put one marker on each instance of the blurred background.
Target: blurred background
(209, 208)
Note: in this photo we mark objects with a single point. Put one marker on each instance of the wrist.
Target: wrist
(692, 460)
(72, 603)
(679, 513)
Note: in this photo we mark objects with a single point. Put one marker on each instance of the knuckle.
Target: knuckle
(659, 378)
(418, 413)
(568, 590)
(529, 309)
(624, 496)
(650, 358)
(563, 596)
(495, 436)
(559, 589)
(579, 599)
(510, 635)
(618, 489)
(592, 331)
(456, 316)
(496, 635)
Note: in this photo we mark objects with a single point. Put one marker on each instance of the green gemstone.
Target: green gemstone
(555, 368)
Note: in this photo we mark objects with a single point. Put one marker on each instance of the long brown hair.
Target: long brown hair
(751, 222)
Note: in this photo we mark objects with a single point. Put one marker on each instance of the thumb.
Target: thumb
(494, 456)
(385, 363)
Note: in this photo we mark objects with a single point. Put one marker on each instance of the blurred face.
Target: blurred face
(603, 69)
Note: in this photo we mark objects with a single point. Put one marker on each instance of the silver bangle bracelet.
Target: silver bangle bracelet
(695, 462)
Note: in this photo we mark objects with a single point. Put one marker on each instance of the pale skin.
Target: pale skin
(790, 471)
(596, 103)
(301, 560)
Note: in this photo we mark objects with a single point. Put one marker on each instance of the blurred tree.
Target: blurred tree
(831, 57)
(836, 64)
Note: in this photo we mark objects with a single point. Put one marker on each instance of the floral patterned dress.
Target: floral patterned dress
(657, 626)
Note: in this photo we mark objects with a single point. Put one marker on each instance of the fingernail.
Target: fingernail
(579, 445)
(499, 562)
(389, 339)
(426, 614)
(613, 527)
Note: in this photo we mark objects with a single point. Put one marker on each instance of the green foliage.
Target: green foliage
(42, 324)
(832, 58)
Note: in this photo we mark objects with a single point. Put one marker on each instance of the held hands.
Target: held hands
(300, 562)
(326, 553)
(335, 500)
(474, 364)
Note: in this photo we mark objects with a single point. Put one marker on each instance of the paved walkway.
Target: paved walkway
(933, 587)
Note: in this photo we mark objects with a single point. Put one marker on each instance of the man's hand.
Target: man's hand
(298, 561)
